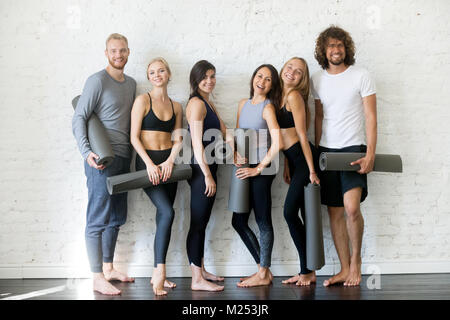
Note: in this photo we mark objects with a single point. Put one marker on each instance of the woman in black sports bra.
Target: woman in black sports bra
(154, 117)
(293, 118)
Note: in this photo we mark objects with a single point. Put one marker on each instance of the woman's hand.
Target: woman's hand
(244, 173)
(210, 184)
(286, 173)
(314, 178)
(239, 160)
(166, 170)
(154, 173)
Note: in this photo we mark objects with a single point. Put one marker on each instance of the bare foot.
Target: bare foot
(104, 287)
(354, 276)
(205, 285)
(158, 284)
(167, 284)
(245, 278)
(258, 279)
(337, 279)
(116, 275)
(211, 277)
(293, 279)
(306, 279)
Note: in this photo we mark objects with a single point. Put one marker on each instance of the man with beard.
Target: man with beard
(345, 103)
(109, 94)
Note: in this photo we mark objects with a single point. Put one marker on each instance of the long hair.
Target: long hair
(303, 86)
(322, 42)
(274, 94)
(197, 74)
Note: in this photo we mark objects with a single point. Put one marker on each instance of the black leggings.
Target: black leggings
(295, 200)
(201, 207)
(163, 197)
(261, 203)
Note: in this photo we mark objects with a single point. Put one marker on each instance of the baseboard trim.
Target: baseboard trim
(285, 269)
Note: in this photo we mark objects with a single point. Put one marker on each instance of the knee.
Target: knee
(165, 215)
(238, 223)
(353, 212)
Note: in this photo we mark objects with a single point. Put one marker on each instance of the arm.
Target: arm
(137, 114)
(298, 109)
(238, 159)
(318, 119)
(370, 113)
(196, 113)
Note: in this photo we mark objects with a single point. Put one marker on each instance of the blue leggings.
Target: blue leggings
(163, 197)
(295, 200)
(261, 203)
(201, 207)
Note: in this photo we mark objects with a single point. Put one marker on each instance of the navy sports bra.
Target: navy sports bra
(152, 123)
(285, 118)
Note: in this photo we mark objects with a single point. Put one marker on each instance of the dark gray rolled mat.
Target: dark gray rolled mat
(139, 179)
(238, 200)
(98, 138)
(340, 161)
(315, 257)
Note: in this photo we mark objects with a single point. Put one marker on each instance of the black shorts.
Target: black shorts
(333, 184)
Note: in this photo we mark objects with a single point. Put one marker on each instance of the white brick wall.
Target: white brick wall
(49, 48)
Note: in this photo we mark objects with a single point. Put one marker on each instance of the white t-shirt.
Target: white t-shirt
(343, 111)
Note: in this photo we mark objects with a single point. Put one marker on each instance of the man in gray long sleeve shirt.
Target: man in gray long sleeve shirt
(109, 94)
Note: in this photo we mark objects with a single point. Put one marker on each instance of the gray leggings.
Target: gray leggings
(163, 197)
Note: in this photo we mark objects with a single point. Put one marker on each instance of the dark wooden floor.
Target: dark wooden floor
(391, 287)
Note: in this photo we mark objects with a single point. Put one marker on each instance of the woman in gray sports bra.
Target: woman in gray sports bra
(258, 113)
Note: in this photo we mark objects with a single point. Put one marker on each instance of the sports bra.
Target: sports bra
(152, 123)
(285, 118)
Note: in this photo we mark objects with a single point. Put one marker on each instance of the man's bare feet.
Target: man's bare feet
(102, 286)
(306, 279)
(113, 274)
(337, 279)
(261, 278)
(210, 276)
(205, 285)
(354, 276)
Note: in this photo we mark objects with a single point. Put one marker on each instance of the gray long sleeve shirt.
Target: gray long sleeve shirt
(111, 101)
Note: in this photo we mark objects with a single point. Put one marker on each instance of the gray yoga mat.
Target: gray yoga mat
(239, 188)
(98, 138)
(340, 161)
(315, 257)
(139, 179)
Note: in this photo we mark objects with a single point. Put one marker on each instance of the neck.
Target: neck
(159, 93)
(116, 74)
(335, 69)
(205, 95)
(257, 98)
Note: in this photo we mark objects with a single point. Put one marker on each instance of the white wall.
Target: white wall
(49, 48)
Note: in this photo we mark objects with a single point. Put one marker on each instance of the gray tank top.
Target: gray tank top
(251, 117)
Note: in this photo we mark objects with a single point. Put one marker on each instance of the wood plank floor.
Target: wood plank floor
(391, 287)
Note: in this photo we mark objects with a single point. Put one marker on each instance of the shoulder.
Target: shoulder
(130, 79)
(96, 79)
(269, 107)
(242, 102)
(141, 100)
(294, 97)
(359, 71)
(316, 75)
(196, 104)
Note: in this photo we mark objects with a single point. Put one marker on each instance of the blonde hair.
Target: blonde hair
(302, 87)
(163, 61)
(116, 36)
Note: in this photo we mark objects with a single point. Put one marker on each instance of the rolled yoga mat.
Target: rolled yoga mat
(139, 179)
(315, 257)
(98, 138)
(340, 161)
(239, 188)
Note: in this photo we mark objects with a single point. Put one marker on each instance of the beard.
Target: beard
(118, 65)
(337, 61)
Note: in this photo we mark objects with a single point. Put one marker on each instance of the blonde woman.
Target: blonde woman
(153, 119)
(293, 118)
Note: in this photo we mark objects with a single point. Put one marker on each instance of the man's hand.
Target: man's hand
(92, 163)
(365, 163)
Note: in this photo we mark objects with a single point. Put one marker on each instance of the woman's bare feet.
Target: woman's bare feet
(158, 280)
(337, 279)
(306, 279)
(259, 268)
(167, 284)
(261, 278)
(116, 275)
(202, 284)
(210, 276)
(293, 279)
(101, 285)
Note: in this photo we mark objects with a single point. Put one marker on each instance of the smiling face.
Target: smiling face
(262, 82)
(209, 82)
(293, 72)
(158, 74)
(335, 51)
(117, 53)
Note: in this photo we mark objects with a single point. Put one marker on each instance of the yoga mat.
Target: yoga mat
(238, 200)
(340, 161)
(98, 138)
(315, 257)
(139, 179)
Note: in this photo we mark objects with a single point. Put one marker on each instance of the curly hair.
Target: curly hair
(338, 34)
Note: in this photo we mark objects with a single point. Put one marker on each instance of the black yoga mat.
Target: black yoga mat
(239, 188)
(98, 138)
(340, 161)
(139, 179)
(315, 257)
